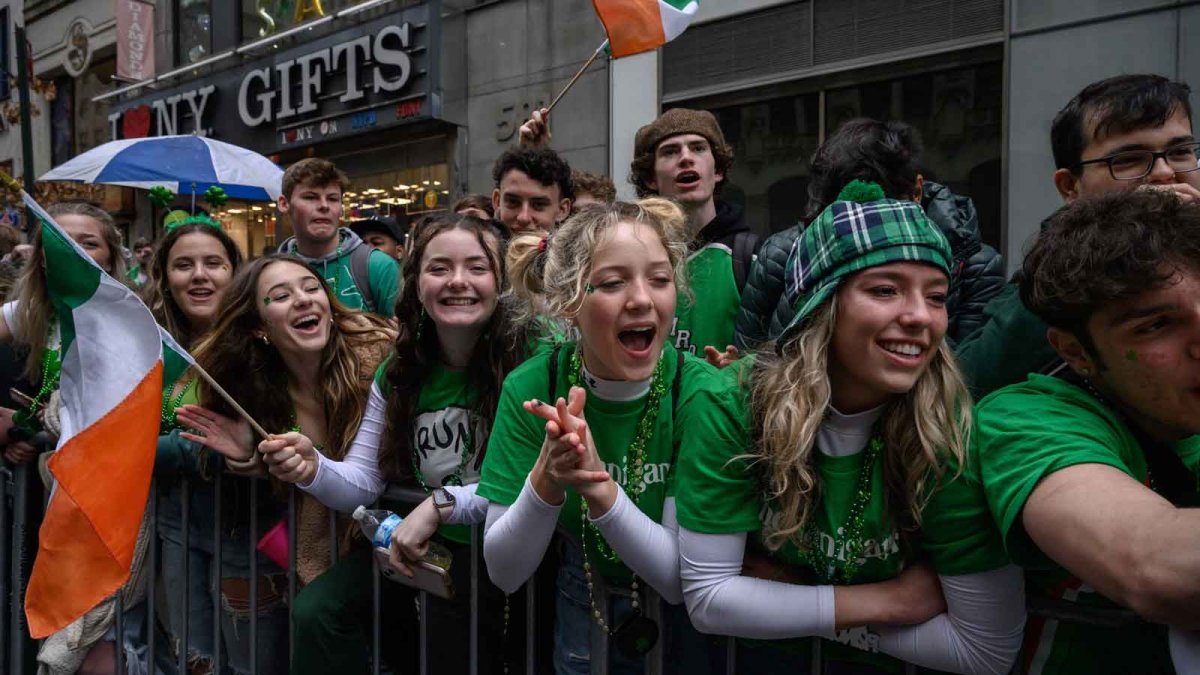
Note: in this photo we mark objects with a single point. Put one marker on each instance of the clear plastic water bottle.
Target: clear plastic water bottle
(377, 526)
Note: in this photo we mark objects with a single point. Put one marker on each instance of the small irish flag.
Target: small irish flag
(636, 26)
(111, 392)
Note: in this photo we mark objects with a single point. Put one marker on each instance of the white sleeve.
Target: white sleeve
(980, 632)
(10, 316)
(1185, 650)
(356, 480)
(722, 601)
(649, 549)
(515, 538)
(469, 508)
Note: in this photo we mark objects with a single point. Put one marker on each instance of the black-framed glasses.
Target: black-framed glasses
(1135, 164)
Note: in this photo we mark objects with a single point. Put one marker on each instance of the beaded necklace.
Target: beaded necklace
(26, 418)
(467, 448)
(827, 568)
(170, 406)
(295, 428)
(637, 635)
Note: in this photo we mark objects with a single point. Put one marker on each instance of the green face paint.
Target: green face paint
(266, 301)
(589, 289)
(1131, 355)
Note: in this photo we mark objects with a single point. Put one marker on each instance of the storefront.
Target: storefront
(784, 77)
(366, 97)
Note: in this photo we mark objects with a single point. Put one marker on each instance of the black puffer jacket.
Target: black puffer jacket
(978, 274)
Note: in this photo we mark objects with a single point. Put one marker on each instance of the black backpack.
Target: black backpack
(745, 250)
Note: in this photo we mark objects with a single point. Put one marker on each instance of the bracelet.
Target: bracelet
(243, 466)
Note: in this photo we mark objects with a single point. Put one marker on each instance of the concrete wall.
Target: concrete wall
(519, 54)
(1056, 48)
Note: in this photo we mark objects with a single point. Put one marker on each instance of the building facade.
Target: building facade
(414, 100)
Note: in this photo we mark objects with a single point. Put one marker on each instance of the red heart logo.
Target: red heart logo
(135, 122)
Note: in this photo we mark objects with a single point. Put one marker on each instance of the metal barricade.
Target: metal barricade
(16, 563)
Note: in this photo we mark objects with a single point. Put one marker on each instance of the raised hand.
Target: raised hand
(569, 455)
(230, 437)
(721, 359)
(535, 132)
(290, 457)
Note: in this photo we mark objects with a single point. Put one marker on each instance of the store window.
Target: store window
(414, 191)
(262, 18)
(194, 26)
(957, 113)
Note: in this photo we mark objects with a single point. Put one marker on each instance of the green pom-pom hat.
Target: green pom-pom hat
(862, 229)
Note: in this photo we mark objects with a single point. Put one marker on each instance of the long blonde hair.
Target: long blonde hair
(557, 273)
(925, 431)
(34, 312)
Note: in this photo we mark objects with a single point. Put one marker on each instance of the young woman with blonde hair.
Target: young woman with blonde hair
(842, 455)
(587, 433)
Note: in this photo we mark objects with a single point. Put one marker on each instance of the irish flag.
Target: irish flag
(636, 26)
(111, 397)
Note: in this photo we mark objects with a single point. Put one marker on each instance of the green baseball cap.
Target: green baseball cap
(861, 229)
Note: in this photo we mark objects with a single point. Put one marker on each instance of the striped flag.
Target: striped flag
(110, 391)
(636, 26)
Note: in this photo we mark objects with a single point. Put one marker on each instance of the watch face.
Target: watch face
(442, 498)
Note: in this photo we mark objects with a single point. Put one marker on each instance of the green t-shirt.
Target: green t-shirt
(446, 423)
(719, 490)
(517, 438)
(1025, 432)
(707, 318)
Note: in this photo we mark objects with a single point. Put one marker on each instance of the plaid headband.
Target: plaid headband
(862, 229)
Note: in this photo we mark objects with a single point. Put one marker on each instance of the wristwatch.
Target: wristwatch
(443, 501)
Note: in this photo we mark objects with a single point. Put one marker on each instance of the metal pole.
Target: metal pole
(5, 543)
(185, 500)
(119, 642)
(23, 94)
(423, 608)
(530, 624)
(18, 629)
(253, 539)
(376, 616)
(474, 639)
(291, 571)
(218, 573)
(152, 577)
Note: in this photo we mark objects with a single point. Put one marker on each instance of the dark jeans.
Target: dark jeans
(333, 622)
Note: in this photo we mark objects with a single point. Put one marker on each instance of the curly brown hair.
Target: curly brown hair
(499, 350)
(255, 374)
(1094, 252)
(642, 169)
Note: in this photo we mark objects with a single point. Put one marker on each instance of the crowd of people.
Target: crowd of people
(855, 443)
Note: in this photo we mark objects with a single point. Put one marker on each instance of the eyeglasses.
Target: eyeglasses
(1135, 164)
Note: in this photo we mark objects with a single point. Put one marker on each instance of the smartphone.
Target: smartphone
(426, 576)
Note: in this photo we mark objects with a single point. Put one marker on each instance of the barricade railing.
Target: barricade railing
(17, 548)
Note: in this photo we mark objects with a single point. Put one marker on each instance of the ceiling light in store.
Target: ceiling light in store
(424, 182)
(402, 186)
(445, 192)
(232, 211)
(436, 182)
(256, 208)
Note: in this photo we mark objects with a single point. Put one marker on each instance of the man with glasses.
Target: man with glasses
(1127, 132)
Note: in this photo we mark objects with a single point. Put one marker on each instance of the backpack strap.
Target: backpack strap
(360, 264)
(745, 250)
(677, 383)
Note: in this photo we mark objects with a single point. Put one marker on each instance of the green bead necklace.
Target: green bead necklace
(827, 568)
(468, 448)
(633, 486)
(26, 418)
(295, 428)
(169, 406)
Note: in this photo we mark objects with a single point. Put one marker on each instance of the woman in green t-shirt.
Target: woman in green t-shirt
(841, 454)
(426, 426)
(601, 465)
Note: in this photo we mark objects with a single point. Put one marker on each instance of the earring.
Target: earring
(1086, 372)
(421, 323)
(266, 340)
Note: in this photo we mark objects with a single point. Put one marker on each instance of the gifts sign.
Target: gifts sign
(135, 40)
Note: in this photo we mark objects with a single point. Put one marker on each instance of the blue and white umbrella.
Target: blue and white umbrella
(182, 164)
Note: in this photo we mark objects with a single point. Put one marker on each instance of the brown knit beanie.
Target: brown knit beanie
(674, 122)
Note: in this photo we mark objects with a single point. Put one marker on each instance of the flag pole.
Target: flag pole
(587, 64)
(12, 184)
(229, 399)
